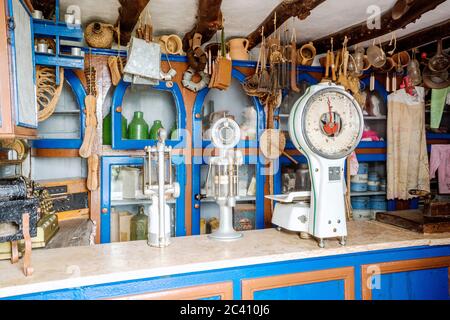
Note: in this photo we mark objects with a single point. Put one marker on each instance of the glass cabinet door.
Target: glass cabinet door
(248, 214)
(125, 209)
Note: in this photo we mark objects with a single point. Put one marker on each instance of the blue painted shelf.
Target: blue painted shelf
(63, 61)
(59, 29)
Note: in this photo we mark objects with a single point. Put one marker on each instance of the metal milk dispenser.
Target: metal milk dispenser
(223, 175)
(159, 185)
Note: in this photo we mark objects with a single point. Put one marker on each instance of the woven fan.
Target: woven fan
(47, 92)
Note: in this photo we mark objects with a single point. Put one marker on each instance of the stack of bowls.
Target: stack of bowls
(358, 183)
(361, 208)
(373, 183)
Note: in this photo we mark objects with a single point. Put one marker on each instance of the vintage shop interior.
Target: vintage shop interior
(169, 149)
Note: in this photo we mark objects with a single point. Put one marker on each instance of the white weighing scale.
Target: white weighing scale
(326, 125)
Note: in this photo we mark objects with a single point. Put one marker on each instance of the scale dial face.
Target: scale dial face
(332, 123)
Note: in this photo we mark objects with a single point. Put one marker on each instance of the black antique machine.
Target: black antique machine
(19, 214)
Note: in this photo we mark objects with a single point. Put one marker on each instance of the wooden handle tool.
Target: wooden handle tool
(92, 180)
(91, 125)
(333, 66)
(294, 86)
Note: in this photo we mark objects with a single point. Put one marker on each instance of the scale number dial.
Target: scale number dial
(332, 123)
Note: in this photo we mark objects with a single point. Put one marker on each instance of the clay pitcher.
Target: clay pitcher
(238, 48)
(306, 54)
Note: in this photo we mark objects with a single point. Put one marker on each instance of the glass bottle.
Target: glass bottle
(154, 129)
(139, 226)
(138, 128)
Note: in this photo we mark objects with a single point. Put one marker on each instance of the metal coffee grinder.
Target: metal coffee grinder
(223, 175)
(159, 185)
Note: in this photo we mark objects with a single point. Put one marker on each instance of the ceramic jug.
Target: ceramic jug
(138, 128)
(154, 129)
(107, 131)
(238, 49)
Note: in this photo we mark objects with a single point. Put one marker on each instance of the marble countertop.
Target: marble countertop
(81, 266)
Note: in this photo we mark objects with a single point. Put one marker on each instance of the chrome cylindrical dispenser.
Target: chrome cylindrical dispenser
(223, 176)
(159, 185)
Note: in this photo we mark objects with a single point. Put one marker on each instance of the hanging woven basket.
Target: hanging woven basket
(99, 35)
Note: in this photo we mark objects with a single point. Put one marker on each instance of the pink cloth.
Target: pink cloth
(440, 159)
(354, 164)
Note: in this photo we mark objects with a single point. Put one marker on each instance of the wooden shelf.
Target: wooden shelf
(132, 202)
(63, 60)
(375, 117)
(240, 199)
(42, 27)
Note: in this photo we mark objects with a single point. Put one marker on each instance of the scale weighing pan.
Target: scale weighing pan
(303, 196)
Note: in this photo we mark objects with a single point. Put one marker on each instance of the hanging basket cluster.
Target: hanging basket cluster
(47, 91)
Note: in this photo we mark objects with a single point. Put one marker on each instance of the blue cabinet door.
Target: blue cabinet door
(431, 284)
(418, 279)
(107, 203)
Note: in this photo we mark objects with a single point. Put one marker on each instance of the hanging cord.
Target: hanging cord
(393, 39)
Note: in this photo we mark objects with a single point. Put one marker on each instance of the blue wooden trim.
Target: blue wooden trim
(197, 139)
(438, 136)
(372, 144)
(105, 188)
(59, 29)
(80, 94)
(64, 61)
(126, 144)
(371, 157)
(305, 76)
(15, 85)
(236, 274)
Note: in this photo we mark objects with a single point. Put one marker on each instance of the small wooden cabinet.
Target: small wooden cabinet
(18, 116)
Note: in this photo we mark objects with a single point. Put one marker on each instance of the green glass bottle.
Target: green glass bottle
(154, 130)
(173, 132)
(107, 132)
(138, 128)
(139, 226)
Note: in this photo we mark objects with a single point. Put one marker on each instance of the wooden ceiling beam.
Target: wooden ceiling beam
(423, 37)
(285, 10)
(209, 20)
(360, 32)
(129, 13)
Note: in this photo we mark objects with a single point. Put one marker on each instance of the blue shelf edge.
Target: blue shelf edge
(207, 144)
(57, 29)
(69, 62)
(438, 136)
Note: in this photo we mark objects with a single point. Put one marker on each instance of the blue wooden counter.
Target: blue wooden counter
(378, 262)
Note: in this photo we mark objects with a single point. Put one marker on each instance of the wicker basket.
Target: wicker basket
(99, 35)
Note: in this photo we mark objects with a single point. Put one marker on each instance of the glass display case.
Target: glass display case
(125, 208)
